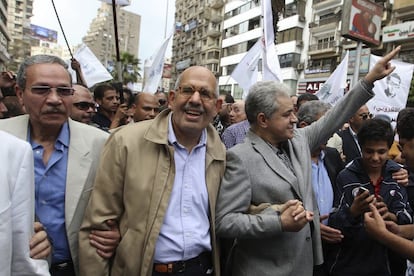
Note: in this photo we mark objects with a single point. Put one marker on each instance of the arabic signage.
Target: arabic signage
(398, 32)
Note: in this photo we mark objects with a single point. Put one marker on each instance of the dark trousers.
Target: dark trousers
(62, 269)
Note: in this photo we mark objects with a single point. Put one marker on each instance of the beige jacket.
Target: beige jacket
(133, 186)
(85, 145)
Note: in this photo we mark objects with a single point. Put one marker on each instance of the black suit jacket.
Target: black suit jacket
(333, 164)
(349, 146)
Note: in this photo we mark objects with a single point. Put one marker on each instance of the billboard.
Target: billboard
(42, 33)
(361, 21)
(398, 32)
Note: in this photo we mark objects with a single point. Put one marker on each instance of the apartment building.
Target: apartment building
(4, 35)
(19, 13)
(197, 40)
(100, 37)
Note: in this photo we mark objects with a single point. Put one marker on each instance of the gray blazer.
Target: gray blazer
(254, 175)
(86, 143)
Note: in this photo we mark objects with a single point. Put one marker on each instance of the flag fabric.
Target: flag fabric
(121, 3)
(334, 87)
(391, 92)
(271, 66)
(92, 69)
(246, 71)
(153, 67)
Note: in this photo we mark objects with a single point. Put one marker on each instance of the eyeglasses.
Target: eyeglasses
(188, 91)
(162, 101)
(365, 116)
(44, 90)
(85, 105)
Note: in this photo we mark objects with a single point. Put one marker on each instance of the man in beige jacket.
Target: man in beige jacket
(159, 180)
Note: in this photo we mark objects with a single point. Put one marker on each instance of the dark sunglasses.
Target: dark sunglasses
(162, 101)
(365, 116)
(85, 105)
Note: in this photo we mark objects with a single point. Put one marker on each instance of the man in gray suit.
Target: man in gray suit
(65, 153)
(273, 166)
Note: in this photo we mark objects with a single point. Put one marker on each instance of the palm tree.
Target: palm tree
(130, 68)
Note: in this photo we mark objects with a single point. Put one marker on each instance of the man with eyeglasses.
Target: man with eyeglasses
(83, 107)
(159, 179)
(350, 146)
(162, 100)
(65, 153)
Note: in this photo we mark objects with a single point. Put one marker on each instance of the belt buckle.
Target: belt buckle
(62, 265)
(180, 266)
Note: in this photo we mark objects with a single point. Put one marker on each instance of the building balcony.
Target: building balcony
(216, 4)
(213, 33)
(325, 4)
(324, 22)
(331, 47)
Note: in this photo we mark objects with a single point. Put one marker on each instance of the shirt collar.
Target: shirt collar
(172, 139)
(62, 139)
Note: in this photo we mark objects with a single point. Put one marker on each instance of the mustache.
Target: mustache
(54, 111)
(193, 108)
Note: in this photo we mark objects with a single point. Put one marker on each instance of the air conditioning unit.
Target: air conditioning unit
(302, 18)
(300, 66)
(299, 43)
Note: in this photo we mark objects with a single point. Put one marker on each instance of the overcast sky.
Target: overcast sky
(76, 16)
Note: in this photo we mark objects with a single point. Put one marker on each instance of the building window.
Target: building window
(289, 60)
(238, 92)
(225, 89)
(290, 35)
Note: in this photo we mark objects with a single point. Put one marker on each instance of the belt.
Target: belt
(62, 266)
(180, 266)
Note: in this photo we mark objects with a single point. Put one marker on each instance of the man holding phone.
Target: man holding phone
(368, 180)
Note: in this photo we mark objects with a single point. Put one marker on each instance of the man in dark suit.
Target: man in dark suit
(350, 145)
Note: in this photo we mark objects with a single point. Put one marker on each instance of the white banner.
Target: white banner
(121, 3)
(333, 89)
(246, 71)
(92, 69)
(271, 66)
(154, 66)
(391, 92)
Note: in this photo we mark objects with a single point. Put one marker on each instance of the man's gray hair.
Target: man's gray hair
(178, 83)
(262, 99)
(310, 111)
(37, 59)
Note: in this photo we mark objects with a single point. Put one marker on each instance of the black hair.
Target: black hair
(405, 123)
(100, 89)
(375, 130)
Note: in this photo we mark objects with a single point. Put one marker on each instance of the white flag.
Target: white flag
(245, 72)
(334, 87)
(391, 92)
(92, 69)
(154, 66)
(271, 66)
(121, 3)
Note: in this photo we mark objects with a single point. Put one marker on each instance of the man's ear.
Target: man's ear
(262, 120)
(19, 94)
(302, 124)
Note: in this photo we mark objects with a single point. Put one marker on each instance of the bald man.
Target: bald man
(146, 106)
(83, 107)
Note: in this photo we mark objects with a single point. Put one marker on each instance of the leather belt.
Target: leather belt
(62, 266)
(180, 266)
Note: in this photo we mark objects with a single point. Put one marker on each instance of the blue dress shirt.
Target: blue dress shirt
(322, 186)
(50, 187)
(185, 232)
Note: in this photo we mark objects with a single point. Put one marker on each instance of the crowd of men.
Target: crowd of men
(195, 183)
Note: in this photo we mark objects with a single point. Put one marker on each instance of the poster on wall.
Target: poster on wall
(361, 21)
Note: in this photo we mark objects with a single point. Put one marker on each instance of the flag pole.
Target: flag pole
(118, 57)
(61, 28)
